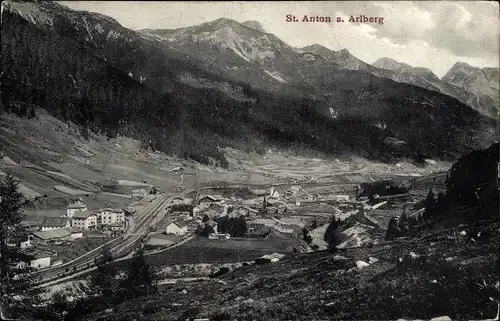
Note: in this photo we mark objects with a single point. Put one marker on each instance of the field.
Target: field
(203, 250)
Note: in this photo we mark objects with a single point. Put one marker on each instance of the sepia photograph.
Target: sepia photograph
(249, 160)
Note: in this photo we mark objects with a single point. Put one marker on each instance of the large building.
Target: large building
(84, 220)
(72, 208)
(63, 234)
(178, 227)
(108, 216)
(54, 223)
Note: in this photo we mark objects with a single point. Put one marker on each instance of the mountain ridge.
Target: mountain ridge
(144, 86)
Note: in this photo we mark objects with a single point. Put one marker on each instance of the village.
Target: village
(287, 213)
(260, 220)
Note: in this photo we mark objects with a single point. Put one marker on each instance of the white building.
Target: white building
(108, 216)
(84, 220)
(178, 228)
(54, 223)
(41, 262)
(209, 199)
(75, 206)
(140, 192)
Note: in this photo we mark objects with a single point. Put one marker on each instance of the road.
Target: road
(119, 247)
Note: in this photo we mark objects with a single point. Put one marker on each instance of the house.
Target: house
(210, 199)
(139, 192)
(117, 226)
(84, 220)
(53, 235)
(177, 200)
(57, 263)
(41, 261)
(274, 193)
(178, 227)
(22, 241)
(54, 223)
(75, 206)
(75, 234)
(109, 215)
(176, 170)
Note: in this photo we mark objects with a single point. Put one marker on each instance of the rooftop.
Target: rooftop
(211, 223)
(265, 221)
(55, 222)
(109, 209)
(54, 234)
(211, 197)
(76, 205)
(180, 223)
(82, 214)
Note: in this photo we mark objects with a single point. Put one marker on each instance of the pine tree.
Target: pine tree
(430, 205)
(32, 113)
(140, 277)
(393, 230)
(305, 235)
(103, 281)
(17, 290)
(403, 221)
(332, 234)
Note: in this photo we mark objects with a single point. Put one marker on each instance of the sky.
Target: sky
(431, 34)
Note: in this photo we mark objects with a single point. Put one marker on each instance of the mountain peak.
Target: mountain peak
(390, 64)
(254, 25)
(318, 49)
(344, 52)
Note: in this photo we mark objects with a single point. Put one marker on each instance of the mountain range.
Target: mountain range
(188, 90)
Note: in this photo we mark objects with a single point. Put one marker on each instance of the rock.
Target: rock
(448, 259)
(413, 255)
(184, 291)
(239, 298)
(434, 281)
(463, 233)
(222, 282)
(361, 264)
(108, 310)
(372, 260)
(248, 301)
